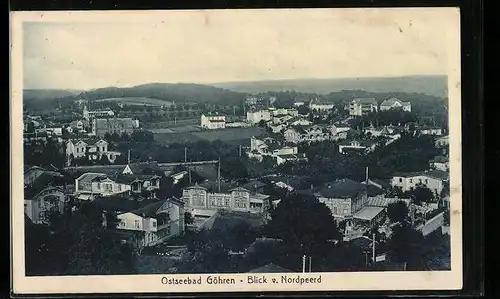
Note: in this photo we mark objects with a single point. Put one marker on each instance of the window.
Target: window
(411, 181)
(137, 224)
(420, 181)
(154, 223)
(119, 187)
(99, 186)
(400, 180)
(426, 181)
(335, 210)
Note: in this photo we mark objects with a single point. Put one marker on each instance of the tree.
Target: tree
(421, 194)
(303, 110)
(405, 245)
(287, 223)
(188, 218)
(397, 211)
(104, 160)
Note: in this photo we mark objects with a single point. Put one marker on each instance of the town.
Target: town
(281, 182)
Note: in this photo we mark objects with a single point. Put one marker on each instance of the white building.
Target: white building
(440, 163)
(307, 134)
(432, 179)
(255, 117)
(92, 149)
(283, 111)
(102, 113)
(320, 106)
(362, 106)
(298, 104)
(442, 141)
(433, 131)
(154, 223)
(394, 103)
(213, 122)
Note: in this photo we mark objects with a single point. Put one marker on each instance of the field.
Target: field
(183, 135)
(137, 101)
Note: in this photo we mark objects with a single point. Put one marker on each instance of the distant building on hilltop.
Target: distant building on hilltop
(394, 103)
(362, 106)
(213, 122)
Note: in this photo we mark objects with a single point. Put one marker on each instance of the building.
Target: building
(202, 202)
(252, 101)
(364, 146)
(259, 148)
(442, 142)
(138, 178)
(102, 113)
(283, 111)
(298, 104)
(213, 122)
(362, 106)
(54, 131)
(430, 130)
(307, 134)
(440, 163)
(256, 116)
(343, 197)
(154, 223)
(92, 149)
(433, 179)
(394, 103)
(103, 126)
(320, 105)
(298, 121)
(42, 196)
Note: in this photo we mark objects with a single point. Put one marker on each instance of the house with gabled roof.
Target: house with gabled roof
(394, 103)
(153, 223)
(42, 196)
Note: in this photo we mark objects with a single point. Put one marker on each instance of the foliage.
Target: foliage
(405, 244)
(51, 153)
(287, 223)
(77, 243)
(421, 194)
(397, 211)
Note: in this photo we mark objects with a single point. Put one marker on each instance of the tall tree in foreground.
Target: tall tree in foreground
(405, 245)
(397, 211)
(303, 223)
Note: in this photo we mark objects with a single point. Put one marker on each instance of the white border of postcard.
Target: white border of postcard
(345, 281)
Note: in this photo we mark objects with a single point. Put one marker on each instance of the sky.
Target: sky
(93, 50)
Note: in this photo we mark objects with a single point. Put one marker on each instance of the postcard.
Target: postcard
(188, 151)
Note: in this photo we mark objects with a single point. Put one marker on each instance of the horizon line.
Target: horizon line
(242, 82)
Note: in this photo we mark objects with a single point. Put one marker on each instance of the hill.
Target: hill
(180, 92)
(137, 101)
(48, 94)
(430, 85)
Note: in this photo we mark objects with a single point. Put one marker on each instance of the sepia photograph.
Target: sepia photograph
(236, 150)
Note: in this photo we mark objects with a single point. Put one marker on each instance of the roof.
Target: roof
(373, 190)
(252, 185)
(42, 182)
(365, 101)
(270, 268)
(368, 213)
(212, 186)
(90, 177)
(121, 204)
(149, 210)
(144, 168)
(384, 201)
(344, 188)
(225, 219)
(288, 156)
(437, 174)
